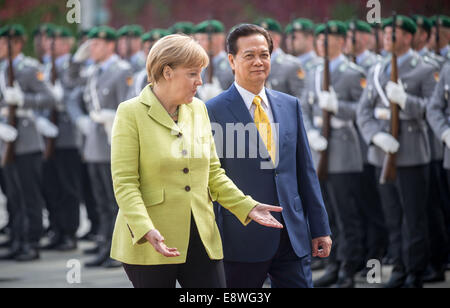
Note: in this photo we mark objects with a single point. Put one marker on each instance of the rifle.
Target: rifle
(377, 38)
(50, 144)
(389, 171)
(9, 155)
(353, 27)
(211, 55)
(322, 169)
(437, 50)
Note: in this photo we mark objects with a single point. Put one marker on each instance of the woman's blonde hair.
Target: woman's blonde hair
(174, 51)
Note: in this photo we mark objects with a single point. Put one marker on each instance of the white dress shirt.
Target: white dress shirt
(248, 98)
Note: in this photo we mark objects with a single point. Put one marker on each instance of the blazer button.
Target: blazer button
(188, 188)
(186, 170)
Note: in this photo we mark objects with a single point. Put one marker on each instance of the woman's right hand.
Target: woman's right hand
(157, 241)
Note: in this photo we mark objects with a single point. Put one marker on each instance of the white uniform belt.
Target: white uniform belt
(20, 113)
(334, 122)
(385, 114)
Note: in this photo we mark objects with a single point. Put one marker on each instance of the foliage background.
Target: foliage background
(164, 13)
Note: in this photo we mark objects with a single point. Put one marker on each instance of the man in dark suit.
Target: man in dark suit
(277, 169)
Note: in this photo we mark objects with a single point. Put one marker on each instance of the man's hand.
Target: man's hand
(446, 137)
(157, 241)
(321, 247)
(386, 142)
(261, 214)
(317, 142)
(396, 93)
(328, 101)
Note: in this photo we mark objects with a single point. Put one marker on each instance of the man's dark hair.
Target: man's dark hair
(245, 30)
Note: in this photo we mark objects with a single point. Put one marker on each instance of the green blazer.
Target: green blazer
(162, 172)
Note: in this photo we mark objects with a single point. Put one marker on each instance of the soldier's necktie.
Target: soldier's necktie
(263, 125)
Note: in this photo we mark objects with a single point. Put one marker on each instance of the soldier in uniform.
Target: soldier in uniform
(404, 202)
(140, 78)
(303, 43)
(62, 165)
(376, 237)
(218, 76)
(79, 69)
(182, 27)
(287, 74)
(107, 86)
(422, 37)
(438, 116)
(129, 46)
(22, 173)
(345, 158)
(444, 36)
(438, 197)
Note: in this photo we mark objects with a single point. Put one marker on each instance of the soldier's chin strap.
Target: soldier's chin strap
(378, 85)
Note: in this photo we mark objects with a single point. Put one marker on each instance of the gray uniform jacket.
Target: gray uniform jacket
(37, 97)
(68, 137)
(222, 71)
(344, 145)
(417, 77)
(366, 63)
(139, 83)
(438, 110)
(105, 89)
(286, 74)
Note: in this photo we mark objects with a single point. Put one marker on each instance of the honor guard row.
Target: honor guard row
(374, 102)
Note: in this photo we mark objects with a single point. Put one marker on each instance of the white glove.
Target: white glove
(84, 124)
(396, 93)
(7, 133)
(58, 94)
(328, 101)
(14, 95)
(83, 53)
(209, 90)
(46, 128)
(316, 141)
(382, 114)
(446, 137)
(386, 142)
(103, 116)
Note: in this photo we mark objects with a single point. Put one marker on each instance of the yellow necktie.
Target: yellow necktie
(263, 125)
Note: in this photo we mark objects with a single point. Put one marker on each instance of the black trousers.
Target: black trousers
(62, 189)
(285, 269)
(24, 190)
(199, 271)
(102, 189)
(88, 199)
(8, 202)
(376, 235)
(438, 202)
(328, 200)
(346, 190)
(404, 204)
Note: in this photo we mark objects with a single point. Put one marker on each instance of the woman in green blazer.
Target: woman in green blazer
(166, 175)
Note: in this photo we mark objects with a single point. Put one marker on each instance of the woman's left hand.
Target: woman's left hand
(261, 214)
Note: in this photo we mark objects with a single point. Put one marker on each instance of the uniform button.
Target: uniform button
(188, 188)
(186, 170)
(184, 152)
(410, 128)
(180, 135)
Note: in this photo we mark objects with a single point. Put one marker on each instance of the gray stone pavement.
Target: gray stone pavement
(53, 268)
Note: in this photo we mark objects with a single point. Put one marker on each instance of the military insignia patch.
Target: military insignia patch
(130, 81)
(363, 83)
(40, 76)
(436, 76)
(301, 74)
